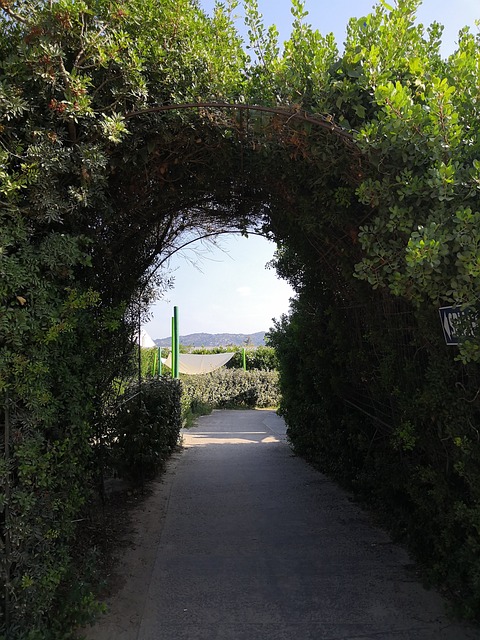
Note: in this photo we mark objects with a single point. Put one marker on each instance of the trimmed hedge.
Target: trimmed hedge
(145, 428)
(230, 388)
(258, 358)
(378, 402)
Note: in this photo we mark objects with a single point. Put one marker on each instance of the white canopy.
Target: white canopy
(193, 363)
(145, 340)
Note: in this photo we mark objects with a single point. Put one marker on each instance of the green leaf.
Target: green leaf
(386, 5)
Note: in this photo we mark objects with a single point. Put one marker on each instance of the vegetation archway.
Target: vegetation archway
(229, 167)
(129, 128)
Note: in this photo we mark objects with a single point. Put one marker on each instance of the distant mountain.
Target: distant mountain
(216, 340)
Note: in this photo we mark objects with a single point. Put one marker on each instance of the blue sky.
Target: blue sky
(229, 290)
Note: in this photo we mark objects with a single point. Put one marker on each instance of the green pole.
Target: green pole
(244, 359)
(139, 355)
(159, 361)
(154, 366)
(173, 348)
(177, 342)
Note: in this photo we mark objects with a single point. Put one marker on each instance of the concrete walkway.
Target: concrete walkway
(254, 544)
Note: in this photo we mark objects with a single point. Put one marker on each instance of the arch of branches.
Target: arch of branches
(231, 167)
(129, 129)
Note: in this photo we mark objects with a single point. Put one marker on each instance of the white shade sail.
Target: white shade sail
(193, 363)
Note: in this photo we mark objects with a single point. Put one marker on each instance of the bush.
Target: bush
(377, 402)
(145, 427)
(257, 359)
(230, 388)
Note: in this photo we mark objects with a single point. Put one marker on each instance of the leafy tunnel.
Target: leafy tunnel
(228, 167)
(127, 128)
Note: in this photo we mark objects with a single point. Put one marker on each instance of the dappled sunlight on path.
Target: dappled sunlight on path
(272, 432)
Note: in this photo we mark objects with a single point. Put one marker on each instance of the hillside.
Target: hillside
(216, 339)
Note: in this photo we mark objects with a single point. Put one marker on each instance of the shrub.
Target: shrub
(391, 419)
(149, 360)
(230, 388)
(145, 427)
(258, 358)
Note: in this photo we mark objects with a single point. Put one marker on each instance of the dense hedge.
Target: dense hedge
(230, 388)
(144, 427)
(410, 445)
(53, 490)
(261, 358)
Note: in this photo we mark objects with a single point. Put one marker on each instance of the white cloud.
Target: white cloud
(244, 291)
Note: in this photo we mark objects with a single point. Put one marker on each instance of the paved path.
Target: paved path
(256, 545)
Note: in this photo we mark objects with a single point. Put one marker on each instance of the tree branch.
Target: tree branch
(317, 120)
(72, 130)
(12, 14)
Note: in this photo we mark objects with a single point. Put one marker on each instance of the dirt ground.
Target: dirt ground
(134, 530)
